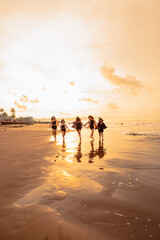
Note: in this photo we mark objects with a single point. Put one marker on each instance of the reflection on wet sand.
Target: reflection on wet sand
(101, 151)
(73, 151)
(98, 152)
(51, 190)
(63, 147)
(78, 155)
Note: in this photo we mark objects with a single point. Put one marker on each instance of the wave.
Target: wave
(135, 123)
(142, 134)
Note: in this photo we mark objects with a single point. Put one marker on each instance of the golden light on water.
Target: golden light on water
(66, 173)
(78, 58)
(70, 150)
(51, 139)
(69, 160)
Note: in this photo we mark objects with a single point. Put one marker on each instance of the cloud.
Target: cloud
(34, 101)
(72, 83)
(128, 83)
(25, 99)
(112, 106)
(20, 106)
(88, 100)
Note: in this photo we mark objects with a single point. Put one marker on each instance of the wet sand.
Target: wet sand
(78, 191)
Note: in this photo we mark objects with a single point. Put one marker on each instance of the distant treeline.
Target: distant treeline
(5, 117)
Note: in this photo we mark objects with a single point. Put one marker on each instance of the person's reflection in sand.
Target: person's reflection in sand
(63, 146)
(92, 153)
(98, 152)
(78, 155)
(101, 151)
(63, 150)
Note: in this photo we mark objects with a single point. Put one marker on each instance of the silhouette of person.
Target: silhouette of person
(92, 125)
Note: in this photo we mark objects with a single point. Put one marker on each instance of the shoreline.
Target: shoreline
(19, 122)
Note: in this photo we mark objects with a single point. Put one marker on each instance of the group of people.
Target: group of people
(77, 124)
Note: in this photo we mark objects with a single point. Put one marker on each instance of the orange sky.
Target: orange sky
(69, 58)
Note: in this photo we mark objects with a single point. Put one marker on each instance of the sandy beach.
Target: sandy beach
(79, 191)
(69, 65)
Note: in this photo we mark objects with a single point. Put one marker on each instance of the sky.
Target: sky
(69, 58)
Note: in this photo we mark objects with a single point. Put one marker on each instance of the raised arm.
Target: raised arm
(86, 124)
(67, 127)
(95, 123)
(72, 122)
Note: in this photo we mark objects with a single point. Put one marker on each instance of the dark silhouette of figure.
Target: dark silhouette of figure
(92, 153)
(77, 124)
(101, 126)
(54, 123)
(92, 125)
(78, 154)
(63, 128)
(101, 151)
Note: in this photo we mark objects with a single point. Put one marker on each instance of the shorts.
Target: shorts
(54, 127)
(79, 128)
(100, 130)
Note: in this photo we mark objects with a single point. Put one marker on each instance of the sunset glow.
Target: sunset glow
(80, 58)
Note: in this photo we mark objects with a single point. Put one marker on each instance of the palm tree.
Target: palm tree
(13, 111)
(1, 111)
(4, 114)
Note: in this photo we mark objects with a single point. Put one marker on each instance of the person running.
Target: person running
(77, 124)
(54, 124)
(63, 128)
(101, 126)
(92, 124)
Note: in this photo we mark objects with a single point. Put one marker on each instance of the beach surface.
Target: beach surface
(86, 190)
